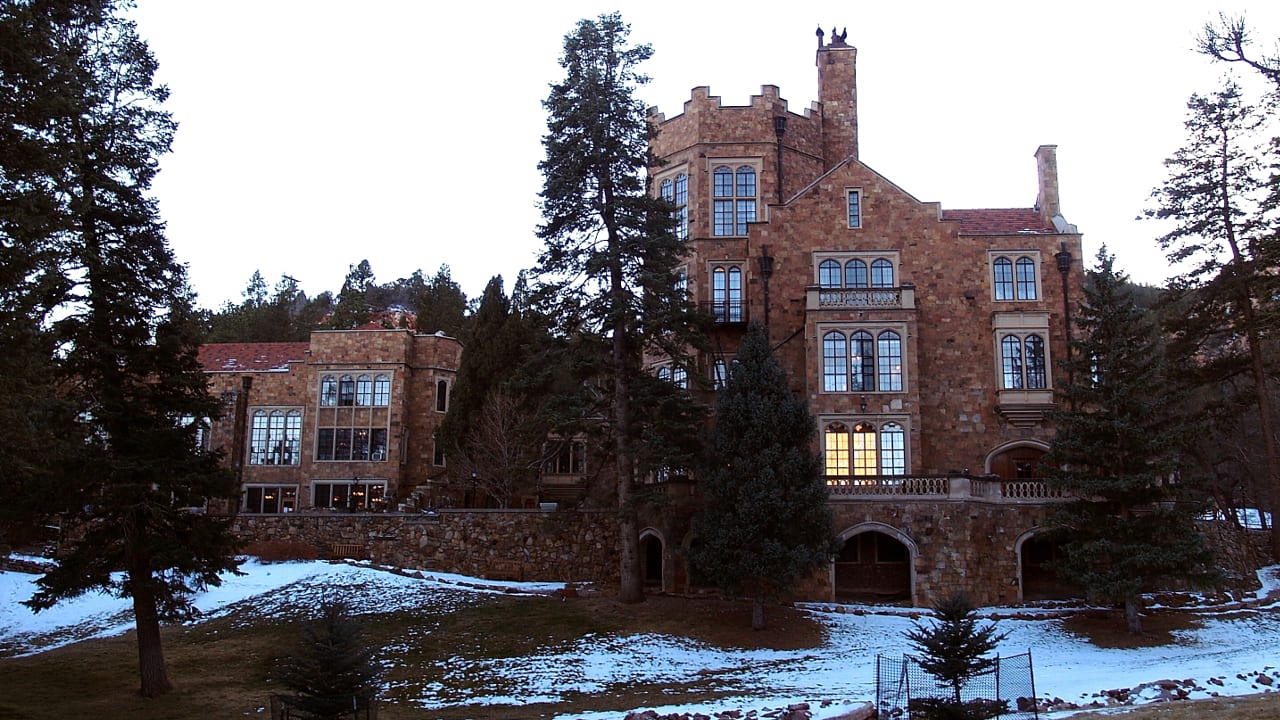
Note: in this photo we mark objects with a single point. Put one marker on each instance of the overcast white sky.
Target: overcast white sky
(316, 134)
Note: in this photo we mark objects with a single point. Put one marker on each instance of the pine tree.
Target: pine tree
(1215, 199)
(333, 673)
(1117, 453)
(955, 650)
(353, 307)
(765, 523)
(122, 315)
(607, 271)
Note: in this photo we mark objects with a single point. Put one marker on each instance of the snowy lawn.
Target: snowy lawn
(1226, 653)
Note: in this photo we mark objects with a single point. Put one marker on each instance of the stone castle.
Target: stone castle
(924, 339)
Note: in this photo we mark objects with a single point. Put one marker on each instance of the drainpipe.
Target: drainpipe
(766, 272)
(779, 129)
(1064, 266)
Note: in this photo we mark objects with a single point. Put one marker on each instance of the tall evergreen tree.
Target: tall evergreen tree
(440, 305)
(108, 286)
(1215, 200)
(1116, 453)
(607, 270)
(765, 523)
(353, 306)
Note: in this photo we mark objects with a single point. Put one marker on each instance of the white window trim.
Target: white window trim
(1022, 324)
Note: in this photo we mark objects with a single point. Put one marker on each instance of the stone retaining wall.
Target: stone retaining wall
(499, 544)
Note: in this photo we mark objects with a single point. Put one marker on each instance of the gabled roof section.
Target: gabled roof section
(251, 357)
(1000, 221)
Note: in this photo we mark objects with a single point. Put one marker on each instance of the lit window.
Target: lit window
(855, 209)
(349, 495)
(726, 294)
(734, 199)
(275, 437)
(864, 451)
(270, 499)
(836, 450)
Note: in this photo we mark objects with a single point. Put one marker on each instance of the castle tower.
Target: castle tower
(838, 93)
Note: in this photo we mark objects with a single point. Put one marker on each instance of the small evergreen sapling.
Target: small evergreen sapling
(954, 650)
(333, 672)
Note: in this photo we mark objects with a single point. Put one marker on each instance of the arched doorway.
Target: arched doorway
(875, 566)
(651, 558)
(1019, 461)
(1038, 557)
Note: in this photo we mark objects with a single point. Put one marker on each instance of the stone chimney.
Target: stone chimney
(1047, 175)
(838, 93)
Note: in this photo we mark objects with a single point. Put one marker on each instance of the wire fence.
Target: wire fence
(1008, 690)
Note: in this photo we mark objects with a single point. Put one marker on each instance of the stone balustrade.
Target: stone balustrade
(955, 487)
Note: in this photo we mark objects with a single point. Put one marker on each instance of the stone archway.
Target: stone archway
(1016, 460)
(1038, 551)
(652, 558)
(876, 565)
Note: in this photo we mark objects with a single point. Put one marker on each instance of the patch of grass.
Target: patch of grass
(1107, 629)
(219, 667)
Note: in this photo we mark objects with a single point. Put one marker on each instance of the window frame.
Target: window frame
(853, 206)
(249, 490)
(371, 491)
(732, 210)
(856, 269)
(856, 447)
(287, 436)
(867, 364)
(728, 298)
(673, 186)
(1011, 332)
(1015, 275)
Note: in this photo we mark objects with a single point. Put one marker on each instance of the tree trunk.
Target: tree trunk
(757, 614)
(631, 583)
(1133, 614)
(151, 668)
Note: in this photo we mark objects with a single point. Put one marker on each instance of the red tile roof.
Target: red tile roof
(251, 357)
(999, 221)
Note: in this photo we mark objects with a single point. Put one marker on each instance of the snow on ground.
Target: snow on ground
(1224, 655)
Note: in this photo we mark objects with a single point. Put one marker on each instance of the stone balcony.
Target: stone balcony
(989, 489)
(899, 298)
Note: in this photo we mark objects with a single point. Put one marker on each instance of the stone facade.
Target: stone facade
(344, 421)
(924, 339)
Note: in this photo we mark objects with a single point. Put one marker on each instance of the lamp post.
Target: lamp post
(1063, 257)
(471, 498)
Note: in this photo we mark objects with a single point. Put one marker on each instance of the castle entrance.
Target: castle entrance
(651, 559)
(1039, 557)
(873, 567)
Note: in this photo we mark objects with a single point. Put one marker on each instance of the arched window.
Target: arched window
(1037, 375)
(680, 377)
(889, 357)
(893, 450)
(1002, 269)
(275, 437)
(734, 203)
(1026, 279)
(882, 274)
(829, 274)
(835, 444)
(442, 396)
(382, 390)
(676, 191)
(719, 374)
(863, 361)
(346, 390)
(364, 390)
(1011, 361)
(855, 274)
(328, 390)
(835, 368)
(726, 294)
(864, 449)
(664, 373)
